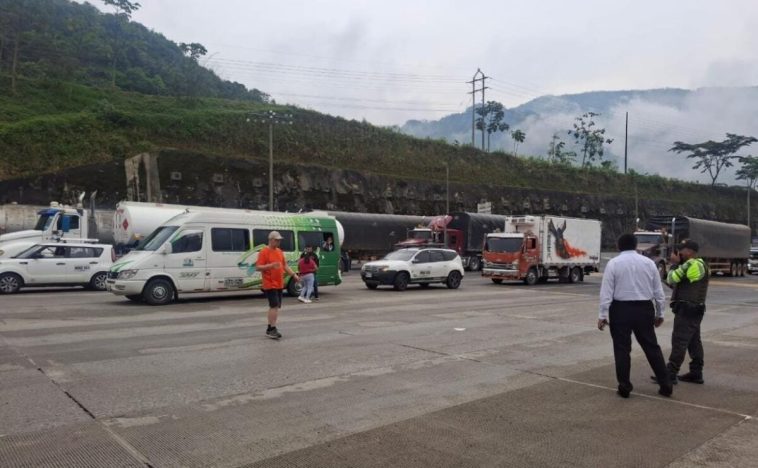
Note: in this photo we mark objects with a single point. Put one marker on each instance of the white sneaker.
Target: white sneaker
(303, 300)
(307, 301)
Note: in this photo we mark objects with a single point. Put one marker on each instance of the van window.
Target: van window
(260, 236)
(317, 240)
(189, 241)
(157, 238)
(230, 240)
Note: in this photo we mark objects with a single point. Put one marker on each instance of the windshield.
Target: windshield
(402, 255)
(424, 235)
(28, 252)
(648, 238)
(157, 238)
(44, 222)
(754, 255)
(504, 244)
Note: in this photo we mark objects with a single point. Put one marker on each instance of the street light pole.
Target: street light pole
(447, 198)
(271, 118)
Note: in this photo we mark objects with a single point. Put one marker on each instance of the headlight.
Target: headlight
(127, 274)
(384, 268)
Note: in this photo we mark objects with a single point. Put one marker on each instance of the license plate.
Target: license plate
(369, 275)
(233, 282)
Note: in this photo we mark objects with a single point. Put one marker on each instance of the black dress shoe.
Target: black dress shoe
(666, 390)
(623, 392)
(692, 378)
(672, 379)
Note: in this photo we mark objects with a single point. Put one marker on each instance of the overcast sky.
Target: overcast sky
(389, 61)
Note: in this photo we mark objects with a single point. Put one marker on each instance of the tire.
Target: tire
(159, 291)
(497, 280)
(743, 268)
(98, 282)
(732, 269)
(401, 281)
(531, 277)
(134, 297)
(424, 285)
(453, 280)
(372, 285)
(10, 283)
(575, 275)
(475, 264)
(294, 288)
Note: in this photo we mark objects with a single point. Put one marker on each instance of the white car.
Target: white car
(414, 266)
(752, 263)
(57, 264)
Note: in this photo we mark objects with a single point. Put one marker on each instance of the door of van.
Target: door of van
(187, 262)
(227, 250)
(323, 243)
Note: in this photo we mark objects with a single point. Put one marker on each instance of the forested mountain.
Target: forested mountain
(62, 40)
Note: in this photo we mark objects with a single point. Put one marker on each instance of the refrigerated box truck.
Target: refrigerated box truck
(538, 248)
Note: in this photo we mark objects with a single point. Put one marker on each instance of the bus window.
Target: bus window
(260, 236)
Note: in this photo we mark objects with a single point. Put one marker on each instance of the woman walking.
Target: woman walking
(307, 267)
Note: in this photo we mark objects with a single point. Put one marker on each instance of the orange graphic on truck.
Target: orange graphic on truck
(562, 247)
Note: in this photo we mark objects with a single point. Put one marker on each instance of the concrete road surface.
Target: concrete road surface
(486, 375)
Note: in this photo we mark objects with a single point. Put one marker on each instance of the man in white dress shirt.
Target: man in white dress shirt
(632, 300)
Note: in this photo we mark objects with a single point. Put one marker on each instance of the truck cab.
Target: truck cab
(53, 223)
(655, 246)
(505, 255)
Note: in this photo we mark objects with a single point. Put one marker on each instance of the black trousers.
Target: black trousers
(638, 317)
(686, 337)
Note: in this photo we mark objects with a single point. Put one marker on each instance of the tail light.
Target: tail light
(113, 255)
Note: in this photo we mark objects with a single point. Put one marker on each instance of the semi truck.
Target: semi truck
(372, 235)
(465, 234)
(724, 246)
(534, 249)
(55, 222)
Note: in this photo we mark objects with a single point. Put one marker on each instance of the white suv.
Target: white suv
(57, 264)
(422, 266)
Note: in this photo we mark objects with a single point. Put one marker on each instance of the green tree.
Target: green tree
(712, 157)
(124, 10)
(589, 138)
(490, 119)
(556, 153)
(518, 137)
(193, 50)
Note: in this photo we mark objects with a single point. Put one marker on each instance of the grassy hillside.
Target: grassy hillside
(61, 110)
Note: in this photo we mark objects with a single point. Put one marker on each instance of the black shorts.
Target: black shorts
(274, 297)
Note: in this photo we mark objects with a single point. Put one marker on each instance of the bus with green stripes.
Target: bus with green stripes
(215, 251)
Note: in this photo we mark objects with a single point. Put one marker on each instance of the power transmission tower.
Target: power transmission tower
(271, 118)
(478, 76)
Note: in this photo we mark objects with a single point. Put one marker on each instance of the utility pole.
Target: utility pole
(271, 118)
(447, 197)
(478, 76)
(626, 139)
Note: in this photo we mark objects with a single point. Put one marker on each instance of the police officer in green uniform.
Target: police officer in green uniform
(690, 283)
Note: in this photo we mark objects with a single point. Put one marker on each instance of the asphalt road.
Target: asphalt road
(486, 375)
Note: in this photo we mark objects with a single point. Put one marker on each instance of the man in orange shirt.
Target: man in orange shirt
(272, 265)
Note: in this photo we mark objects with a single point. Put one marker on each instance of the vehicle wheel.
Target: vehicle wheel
(424, 285)
(158, 292)
(662, 270)
(10, 283)
(134, 297)
(475, 264)
(294, 288)
(453, 280)
(401, 281)
(531, 277)
(575, 275)
(732, 270)
(742, 269)
(371, 285)
(98, 281)
(497, 280)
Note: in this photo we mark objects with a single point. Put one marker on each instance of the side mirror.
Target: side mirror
(167, 248)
